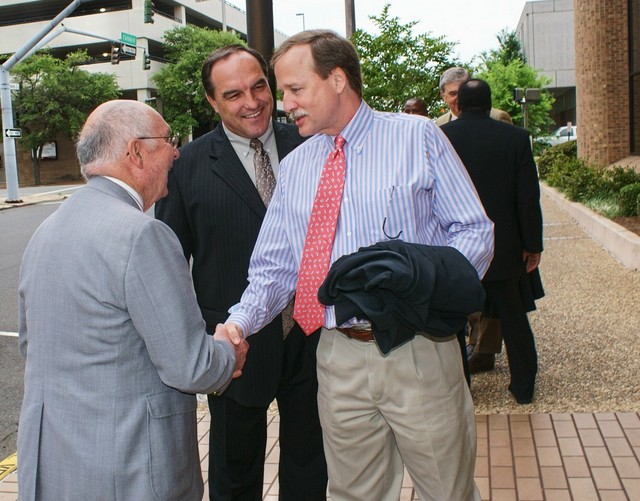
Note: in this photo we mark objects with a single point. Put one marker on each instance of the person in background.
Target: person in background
(111, 332)
(219, 190)
(416, 106)
(367, 177)
(450, 82)
(499, 160)
(485, 339)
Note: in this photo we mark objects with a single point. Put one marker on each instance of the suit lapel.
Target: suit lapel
(226, 165)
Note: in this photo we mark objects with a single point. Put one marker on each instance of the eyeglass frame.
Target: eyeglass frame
(384, 221)
(173, 139)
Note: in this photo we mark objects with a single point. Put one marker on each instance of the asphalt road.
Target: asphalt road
(16, 227)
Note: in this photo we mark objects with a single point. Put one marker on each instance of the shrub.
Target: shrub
(561, 152)
(617, 178)
(576, 178)
(628, 197)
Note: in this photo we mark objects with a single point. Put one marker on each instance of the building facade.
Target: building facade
(94, 26)
(590, 49)
(545, 31)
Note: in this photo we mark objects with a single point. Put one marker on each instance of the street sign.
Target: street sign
(128, 39)
(14, 86)
(127, 49)
(13, 133)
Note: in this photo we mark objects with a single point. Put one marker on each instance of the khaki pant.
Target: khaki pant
(411, 406)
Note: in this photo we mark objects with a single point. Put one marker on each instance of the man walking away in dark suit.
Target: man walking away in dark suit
(218, 192)
(499, 160)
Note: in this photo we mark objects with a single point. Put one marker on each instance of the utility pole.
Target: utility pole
(260, 34)
(9, 143)
(350, 17)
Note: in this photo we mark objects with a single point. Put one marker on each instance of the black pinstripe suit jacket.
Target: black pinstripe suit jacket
(216, 212)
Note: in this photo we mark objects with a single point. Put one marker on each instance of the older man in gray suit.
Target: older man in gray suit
(110, 328)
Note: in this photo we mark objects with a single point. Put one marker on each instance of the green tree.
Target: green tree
(55, 98)
(505, 69)
(180, 83)
(398, 65)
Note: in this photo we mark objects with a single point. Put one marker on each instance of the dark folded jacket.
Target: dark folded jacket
(402, 288)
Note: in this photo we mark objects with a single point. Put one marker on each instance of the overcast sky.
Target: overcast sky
(474, 24)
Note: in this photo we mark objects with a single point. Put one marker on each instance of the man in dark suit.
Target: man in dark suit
(499, 160)
(218, 193)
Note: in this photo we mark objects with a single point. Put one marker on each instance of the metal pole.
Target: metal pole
(9, 143)
(260, 34)
(350, 17)
(224, 14)
(302, 14)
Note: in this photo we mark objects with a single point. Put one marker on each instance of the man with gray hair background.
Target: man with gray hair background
(449, 83)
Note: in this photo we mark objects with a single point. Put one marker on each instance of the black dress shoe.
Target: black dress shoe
(525, 398)
(481, 362)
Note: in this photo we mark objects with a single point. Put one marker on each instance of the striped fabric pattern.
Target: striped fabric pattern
(399, 166)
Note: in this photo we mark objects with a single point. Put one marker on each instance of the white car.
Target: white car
(560, 135)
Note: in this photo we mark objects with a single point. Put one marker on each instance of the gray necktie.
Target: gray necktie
(265, 180)
(266, 183)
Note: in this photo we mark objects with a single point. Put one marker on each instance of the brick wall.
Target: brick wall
(66, 168)
(602, 79)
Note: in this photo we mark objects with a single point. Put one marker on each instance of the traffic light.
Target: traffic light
(148, 11)
(115, 54)
(146, 61)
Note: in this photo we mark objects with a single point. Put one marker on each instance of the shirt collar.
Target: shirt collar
(358, 128)
(241, 144)
(133, 193)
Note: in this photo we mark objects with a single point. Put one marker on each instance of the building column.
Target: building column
(602, 80)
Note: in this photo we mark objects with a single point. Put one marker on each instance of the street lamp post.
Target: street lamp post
(302, 14)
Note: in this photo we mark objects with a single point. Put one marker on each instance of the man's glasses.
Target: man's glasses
(384, 221)
(173, 140)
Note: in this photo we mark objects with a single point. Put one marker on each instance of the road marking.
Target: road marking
(10, 334)
(8, 465)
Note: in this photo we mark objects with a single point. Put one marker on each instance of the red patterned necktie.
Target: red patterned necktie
(308, 311)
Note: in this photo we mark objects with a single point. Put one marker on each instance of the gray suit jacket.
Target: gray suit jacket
(114, 344)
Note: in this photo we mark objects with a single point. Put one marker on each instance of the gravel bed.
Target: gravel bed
(587, 331)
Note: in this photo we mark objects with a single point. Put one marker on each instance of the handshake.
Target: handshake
(232, 334)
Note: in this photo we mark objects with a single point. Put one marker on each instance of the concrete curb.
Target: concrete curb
(621, 243)
(33, 200)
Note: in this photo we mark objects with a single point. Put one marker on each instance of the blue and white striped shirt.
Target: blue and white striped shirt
(399, 166)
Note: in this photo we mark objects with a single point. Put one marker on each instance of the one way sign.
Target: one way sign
(13, 132)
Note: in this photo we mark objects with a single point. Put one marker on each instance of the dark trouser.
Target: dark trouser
(239, 435)
(484, 334)
(506, 300)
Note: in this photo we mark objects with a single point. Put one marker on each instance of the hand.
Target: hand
(532, 260)
(232, 334)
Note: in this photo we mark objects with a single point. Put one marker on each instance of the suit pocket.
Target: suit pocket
(172, 438)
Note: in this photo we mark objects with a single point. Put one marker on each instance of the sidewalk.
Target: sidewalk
(52, 194)
(533, 452)
(546, 457)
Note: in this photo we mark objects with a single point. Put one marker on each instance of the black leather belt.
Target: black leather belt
(358, 334)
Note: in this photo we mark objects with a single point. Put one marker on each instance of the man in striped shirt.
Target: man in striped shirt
(403, 179)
